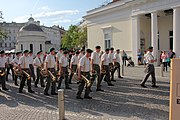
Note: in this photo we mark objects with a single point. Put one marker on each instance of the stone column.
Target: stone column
(176, 31)
(154, 34)
(135, 37)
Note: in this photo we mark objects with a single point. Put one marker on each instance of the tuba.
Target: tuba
(26, 74)
(2, 73)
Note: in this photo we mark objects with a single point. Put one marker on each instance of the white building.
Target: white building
(11, 29)
(31, 37)
(135, 24)
(53, 36)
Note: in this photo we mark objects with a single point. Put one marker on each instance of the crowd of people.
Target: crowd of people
(49, 70)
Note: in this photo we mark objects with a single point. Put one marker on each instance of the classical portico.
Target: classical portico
(135, 25)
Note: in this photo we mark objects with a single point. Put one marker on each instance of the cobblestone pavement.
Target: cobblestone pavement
(124, 101)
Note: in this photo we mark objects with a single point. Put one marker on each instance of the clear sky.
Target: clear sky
(48, 12)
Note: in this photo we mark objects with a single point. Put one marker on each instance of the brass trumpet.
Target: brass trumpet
(87, 82)
(26, 74)
(2, 73)
(52, 76)
(16, 71)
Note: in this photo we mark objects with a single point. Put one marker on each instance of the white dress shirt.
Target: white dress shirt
(111, 57)
(63, 61)
(3, 61)
(96, 58)
(74, 60)
(24, 62)
(105, 59)
(85, 64)
(149, 57)
(50, 60)
(117, 58)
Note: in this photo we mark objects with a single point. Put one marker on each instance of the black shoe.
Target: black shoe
(87, 97)
(30, 91)
(42, 86)
(110, 84)
(16, 84)
(113, 80)
(154, 86)
(143, 86)
(5, 89)
(47, 94)
(35, 86)
(54, 93)
(100, 90)
(69, 88)
(77, 97)
(70, 82)
(78, 82)
(58, 88)
(0, 89)
(20, 91)
(120, 77)
(90, 90)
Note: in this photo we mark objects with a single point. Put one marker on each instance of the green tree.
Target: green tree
(2, 33)
(74, 37)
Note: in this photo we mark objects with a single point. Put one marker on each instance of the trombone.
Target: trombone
(2, 73)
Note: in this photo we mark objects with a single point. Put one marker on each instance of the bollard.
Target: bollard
(162, 70)
(122, 70)
(61, 104)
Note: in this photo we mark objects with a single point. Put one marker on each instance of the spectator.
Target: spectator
(164, 58)
(139, 54)
(171, 55)
(124, 57)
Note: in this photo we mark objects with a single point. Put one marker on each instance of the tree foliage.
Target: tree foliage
(75, 37)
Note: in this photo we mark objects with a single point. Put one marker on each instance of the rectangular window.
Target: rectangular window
(171, 40)
(9, 38)
(0, 44)
(21, 47)
(40, 46)
(5, 45)
(9, 44)
(107, 39)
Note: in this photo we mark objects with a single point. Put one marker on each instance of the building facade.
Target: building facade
(11, 30)
(14, 30)
(136, 24)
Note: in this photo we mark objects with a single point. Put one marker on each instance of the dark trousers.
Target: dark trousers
(83, 84)
(65, 76)
(74, 69)
(107, 75)
(2, 79)
(39, 76)
(50, 82)
(98, 80)
(165, 66)
(149, 71)
(111, 68)
(117, 67)
(124, 60)
(32, 71)
(10, 67)
(15, 79)
(24, 78)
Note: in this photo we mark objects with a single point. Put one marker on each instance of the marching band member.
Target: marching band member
(95, 61)
(3, 62)
(105, 66)
(38, 63)
(15, 62)
(50, 66)
(111, 65)
(63, 69)
(24, 66)
(73, 65)
(81, 54)
(117, 62)
(31, 65)
(9, 66)
(58, 56)
(84, 69)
